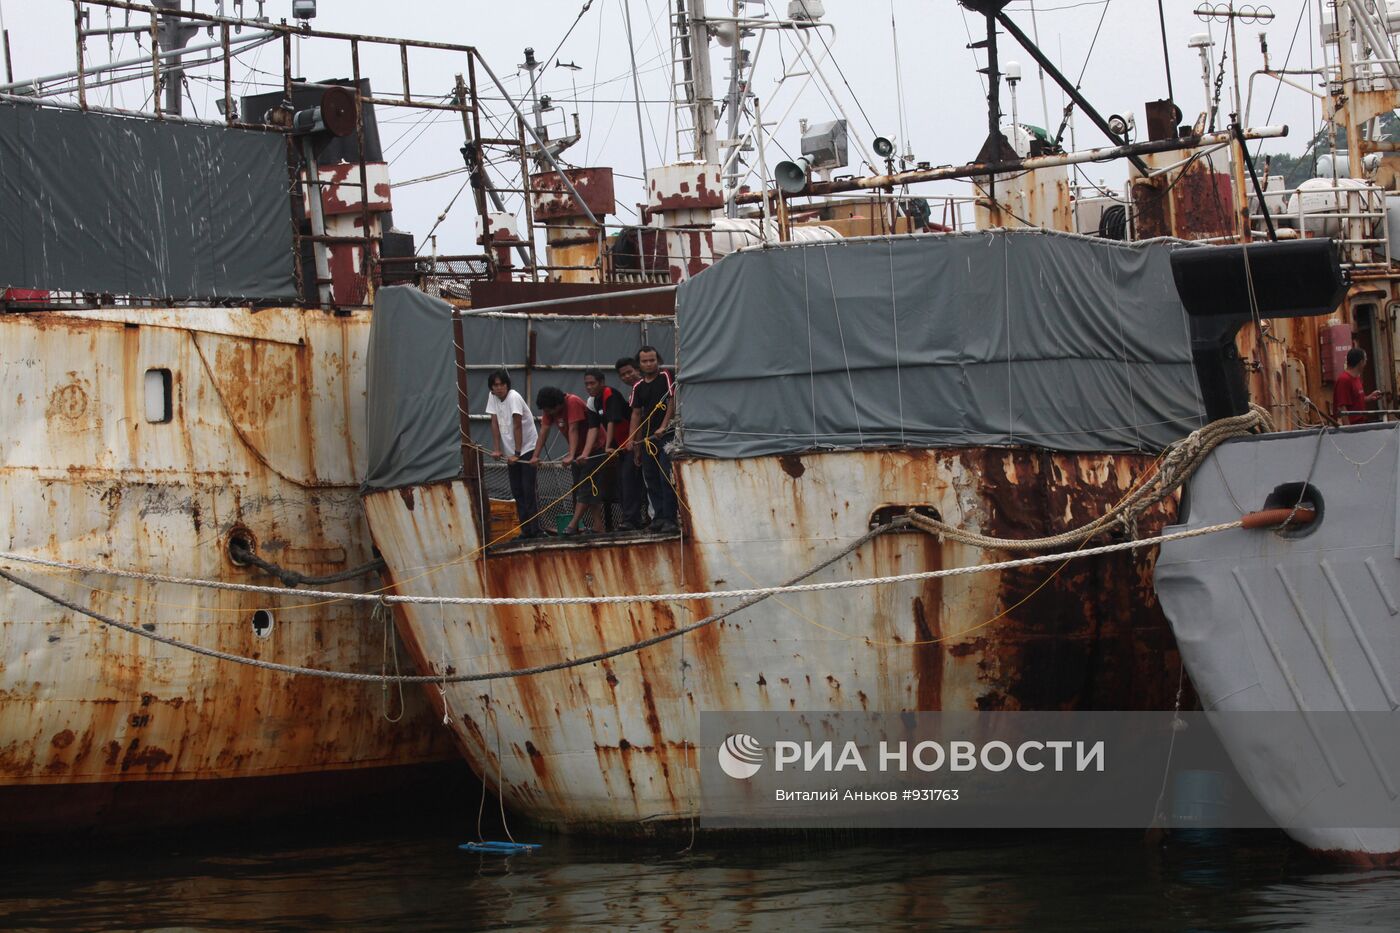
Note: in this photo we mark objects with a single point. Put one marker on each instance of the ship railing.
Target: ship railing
(165, 69)
(444, 276)
(553, 481)
(1359, 217)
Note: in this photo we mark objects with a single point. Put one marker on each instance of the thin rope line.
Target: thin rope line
(841, 333)
(870, 642)
(811, 362)
(614, 652)
(1006, 302)
(1123, 348)
(894, 310)
(633, 597)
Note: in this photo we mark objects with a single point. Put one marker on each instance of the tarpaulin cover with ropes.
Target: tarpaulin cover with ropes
(413, 429)
(999, 337)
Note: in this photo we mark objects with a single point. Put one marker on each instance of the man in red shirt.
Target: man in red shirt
(570, 414)
(1349, 394)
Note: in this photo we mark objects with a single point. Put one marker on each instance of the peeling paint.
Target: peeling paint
(266, 435)
(614, 743)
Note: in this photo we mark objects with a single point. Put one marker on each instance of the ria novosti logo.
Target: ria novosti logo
(740, 756)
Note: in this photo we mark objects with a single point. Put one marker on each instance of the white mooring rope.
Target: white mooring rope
(625, 597)
(755, 596)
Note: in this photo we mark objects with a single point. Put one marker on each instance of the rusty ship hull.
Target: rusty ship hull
(260, 439)
(612, 746)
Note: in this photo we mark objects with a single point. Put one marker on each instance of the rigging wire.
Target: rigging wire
(832, 57)
(1259, 147)
(899, 84)
(636, 82)
(1166, 56)
(1069, 108)
(535, 76)
(981, 78)
(1312, 64)
(1055, 9)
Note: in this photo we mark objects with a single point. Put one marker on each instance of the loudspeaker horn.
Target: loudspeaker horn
(791, 177)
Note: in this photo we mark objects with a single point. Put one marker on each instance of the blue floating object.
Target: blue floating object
(499, 848)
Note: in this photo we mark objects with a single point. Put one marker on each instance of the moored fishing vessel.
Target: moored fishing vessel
(767, 498)
(183, 342)
(770, 495)
(1297, 620)
(867, 416)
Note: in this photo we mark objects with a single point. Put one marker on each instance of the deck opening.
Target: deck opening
(888, 513)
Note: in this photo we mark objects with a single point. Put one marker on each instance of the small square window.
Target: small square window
(160, 404)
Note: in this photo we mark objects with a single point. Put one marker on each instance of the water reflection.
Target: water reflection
(967, 881)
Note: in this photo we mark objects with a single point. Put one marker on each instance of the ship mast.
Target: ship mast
(693, 92)
(174, 34)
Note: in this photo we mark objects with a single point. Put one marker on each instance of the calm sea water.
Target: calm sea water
(1002, 881)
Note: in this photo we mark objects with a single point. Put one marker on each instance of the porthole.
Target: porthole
(262, 623)
(1300, 495)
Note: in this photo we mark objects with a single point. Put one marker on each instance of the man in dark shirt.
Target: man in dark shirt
(1349, 394)
(608, 418)
(649, 432)
(630, 487)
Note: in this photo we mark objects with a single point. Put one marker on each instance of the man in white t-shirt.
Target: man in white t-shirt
(513, 437)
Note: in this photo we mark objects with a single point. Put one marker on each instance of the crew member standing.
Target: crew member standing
(1349, 394)
(649, 432)
(629, 473)
(608, 419)
(513, 437)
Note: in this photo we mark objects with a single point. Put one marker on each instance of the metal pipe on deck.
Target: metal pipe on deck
(576, 299)
(35, 83)
(982, 169)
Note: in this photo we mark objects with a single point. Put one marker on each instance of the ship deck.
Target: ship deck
(580, 541)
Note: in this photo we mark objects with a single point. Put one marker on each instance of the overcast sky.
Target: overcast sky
(944, 97)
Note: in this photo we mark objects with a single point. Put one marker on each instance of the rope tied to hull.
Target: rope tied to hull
(242, 553)
(1176, 465)
(753, 597)
(445, 678)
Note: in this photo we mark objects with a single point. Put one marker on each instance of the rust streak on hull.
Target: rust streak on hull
(266, 428)
(613, 746)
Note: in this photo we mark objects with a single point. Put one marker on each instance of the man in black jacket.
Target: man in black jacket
(649, 432)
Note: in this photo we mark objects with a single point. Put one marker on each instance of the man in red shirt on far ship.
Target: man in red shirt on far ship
(1349, 394)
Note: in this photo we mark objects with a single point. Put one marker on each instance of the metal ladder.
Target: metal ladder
(682, 80)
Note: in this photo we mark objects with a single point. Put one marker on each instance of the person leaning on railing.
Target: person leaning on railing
(630, 487)
(608, 418)
(568, 412)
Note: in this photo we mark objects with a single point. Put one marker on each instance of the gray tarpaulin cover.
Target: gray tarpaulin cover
(413, 427)
(996, 338)
(1051, 340)
(100, 203)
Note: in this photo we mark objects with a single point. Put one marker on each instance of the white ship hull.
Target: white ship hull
(266, 422)
(612, 746)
